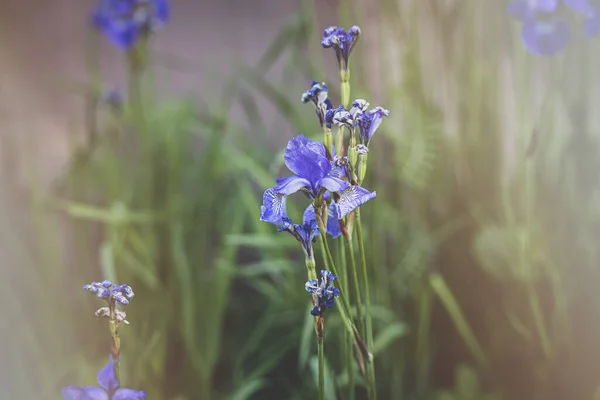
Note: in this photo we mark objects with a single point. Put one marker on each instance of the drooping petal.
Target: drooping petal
(306, 159)
(129, 394)
(162, 10)
(353, 197)
(106, 376)
(369, 122)
(291, 184)
(332, 184)
(273, 209)
(545, 38)
(84, 393)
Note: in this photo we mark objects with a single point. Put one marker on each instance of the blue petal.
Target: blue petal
(290, 185)
(592, 24)
(315, 311)
(106, 376)
(581, 6)
(332, 184)
(129, 394)
(545, 38)
(306, 159)
(162, 10)
(273, 208)
(353, 197)
(333, 225)
(311, 285)
(84, 393)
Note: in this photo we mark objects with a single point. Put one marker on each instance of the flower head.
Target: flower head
(111, 292)
(543, 32)
(124, 22)
(333, 225)
(305, 234)
(317, 94)
(339, 116)
(342, 42)
(108, 383)
(368, 122)
(325, 293)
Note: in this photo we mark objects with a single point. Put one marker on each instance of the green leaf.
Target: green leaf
(388, 335)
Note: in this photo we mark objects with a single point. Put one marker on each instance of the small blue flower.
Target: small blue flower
(317, 94)
(544, 32)
(106, 290)
(325, 292)
(108, 383)
(368, 122)
(342, 42)
(591, 10)
(305, 234)
(339, 116)
(125, 21)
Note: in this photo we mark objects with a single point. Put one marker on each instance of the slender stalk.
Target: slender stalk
(321, 370)
(369, 320)
(115, 347)
(348, 340)
(355, 280)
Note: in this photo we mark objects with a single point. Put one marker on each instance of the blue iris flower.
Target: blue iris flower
(108, 383)
(342, 42)
(317, 94)
(544, 32)
(339, 116)
(325, 292)
(368, 122)
(125, 21)
(591, 10)
(315, 175)
(305, 234)
(121, 294)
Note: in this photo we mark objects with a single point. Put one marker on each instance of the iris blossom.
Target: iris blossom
(368, 122)
(325, 292)
(108, 383)
(543, 32)
(124, 22)
(121, 294)
(342, 42)
(314, 175)
(317, 94)
(305, 234)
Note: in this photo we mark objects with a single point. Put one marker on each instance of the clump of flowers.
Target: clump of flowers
(331, 179)
(125, 22)
(544, 30)
(117, 297)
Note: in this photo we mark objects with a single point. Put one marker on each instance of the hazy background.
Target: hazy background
(482, 241)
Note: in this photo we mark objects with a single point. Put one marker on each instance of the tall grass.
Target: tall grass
(482, 240)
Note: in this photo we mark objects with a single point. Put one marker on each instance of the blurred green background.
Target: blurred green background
(481, 242)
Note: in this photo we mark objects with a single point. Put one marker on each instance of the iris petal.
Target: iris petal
(84, 393)
(106, 376)
(333, 184)
(545, 38)
(592, 24)
(129, 394)
(273, 208)
(333, 225)
(581, 6)
(306, 159)
(291, 185)
(353, 197)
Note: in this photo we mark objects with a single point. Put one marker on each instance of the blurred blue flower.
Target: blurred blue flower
(315, 174)
(342, 42)
(317, 94)
(305, 234)
(125, 21)
(591, 10)
(543, 32)
(108, 383)
(325, 292)
(121, 294)
(339, 116)
(368, 122)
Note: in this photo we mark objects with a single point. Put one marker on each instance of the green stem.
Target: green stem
(115, 347)
(348, 340)
(321, 370)
(538, 319)
(355, 281)
(369, 320)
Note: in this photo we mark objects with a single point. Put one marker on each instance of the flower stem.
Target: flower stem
(348, 340)
(355, 280)
(369, 320)
(321, 370)
(115, 347)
